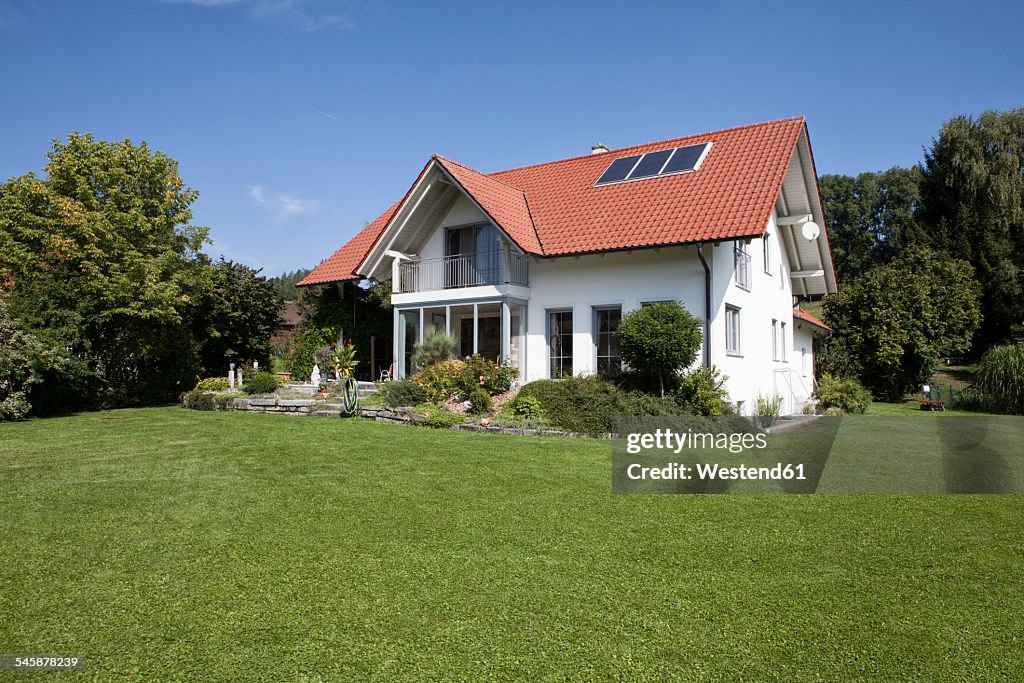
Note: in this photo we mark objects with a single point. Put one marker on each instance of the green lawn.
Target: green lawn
(165, 544)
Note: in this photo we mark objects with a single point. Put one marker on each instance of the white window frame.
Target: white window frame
(766, 250)
(733, 331)
(775, 339)
(784, 341)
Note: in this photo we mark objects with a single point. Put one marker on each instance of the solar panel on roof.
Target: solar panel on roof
(651, 164)
(685, 159)
(618, 170)
(654, 164)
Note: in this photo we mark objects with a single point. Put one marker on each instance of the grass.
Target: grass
(165, 544)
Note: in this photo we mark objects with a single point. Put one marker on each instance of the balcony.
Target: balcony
(463, 270)
(741, 268)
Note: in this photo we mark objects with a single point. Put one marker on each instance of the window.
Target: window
(732, 330)
(784, 350)
(560, 343)
(766, 246)
(741, 266)
(775, 339)
(805, 366)
(472, 256)
(606, 325)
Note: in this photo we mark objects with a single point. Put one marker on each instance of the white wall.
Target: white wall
(626, 279)
(757, 370)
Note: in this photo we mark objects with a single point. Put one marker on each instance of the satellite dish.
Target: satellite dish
(810, 230)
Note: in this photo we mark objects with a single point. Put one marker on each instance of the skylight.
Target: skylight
(654, 164)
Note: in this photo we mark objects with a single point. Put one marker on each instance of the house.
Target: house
(291, 317)
(535, 266)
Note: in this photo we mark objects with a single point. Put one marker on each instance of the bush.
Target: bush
(766, 410)
(519, 423)
(702, 391)
(441, 381)
(14, 407)
(438, 417)
(199, 400)
(437, 346)
(305, 345)
(400, 393)
(577, 404)
(480, 401)
(213, 384)
(846, 394)
(1000, 379)
(660, 340)
(261, 383)
(526, 407)
(640, 404)
(970, 399)
(480, 372)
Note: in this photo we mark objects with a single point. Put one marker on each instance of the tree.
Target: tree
(239, 313)
(893, 323)
(660, 340)
(104, 263)
(285, 283)
(870, 218)
(972, 205)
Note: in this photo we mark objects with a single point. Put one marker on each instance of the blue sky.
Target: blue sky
(300, 120)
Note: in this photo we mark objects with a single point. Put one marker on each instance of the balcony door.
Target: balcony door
(472, 256)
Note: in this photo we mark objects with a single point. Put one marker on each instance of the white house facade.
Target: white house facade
(535, 267)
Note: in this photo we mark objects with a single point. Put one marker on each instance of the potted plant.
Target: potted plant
(345, 361)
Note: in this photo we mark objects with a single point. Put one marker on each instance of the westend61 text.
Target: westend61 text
(679, 471)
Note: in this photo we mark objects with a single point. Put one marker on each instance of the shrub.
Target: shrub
(1000, 378)
(441, 381)
(304, 346)
(213, 384)
(400, 392)
(479, 401)
(846, 394)
(834, 411)
(199, 400)
(640, 404)
(438, 417)
(970, 399)
(527, 407)
(660, 340)
(437, 346)
(480, 372)
(766, 410)
(14, 407)
(261, 383)
(577, 404)
(702, 391)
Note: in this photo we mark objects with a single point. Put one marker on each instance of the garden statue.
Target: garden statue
(314, 378)
(231, 376)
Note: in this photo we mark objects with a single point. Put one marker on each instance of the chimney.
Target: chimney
(599, 149)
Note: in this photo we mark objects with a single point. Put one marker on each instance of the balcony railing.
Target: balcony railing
(741, 268)
(463, 270)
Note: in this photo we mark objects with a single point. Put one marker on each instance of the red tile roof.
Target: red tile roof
(554, 209)
(808, 318)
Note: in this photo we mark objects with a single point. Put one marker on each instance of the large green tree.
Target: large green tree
(972, 204)
(893, 323)
(103, 262)
(871, 218)
(660, 341)
(238, 314)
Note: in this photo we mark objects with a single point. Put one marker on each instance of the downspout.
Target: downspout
(707, 305)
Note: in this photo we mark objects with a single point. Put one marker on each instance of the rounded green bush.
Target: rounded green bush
(848, 394)
(213, 384)
(480, 401)
(199, 400)
(400, 393)
(527, 407)
(261, 383)
(660, 340)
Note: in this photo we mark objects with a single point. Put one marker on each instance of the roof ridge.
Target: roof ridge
(645, 144)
